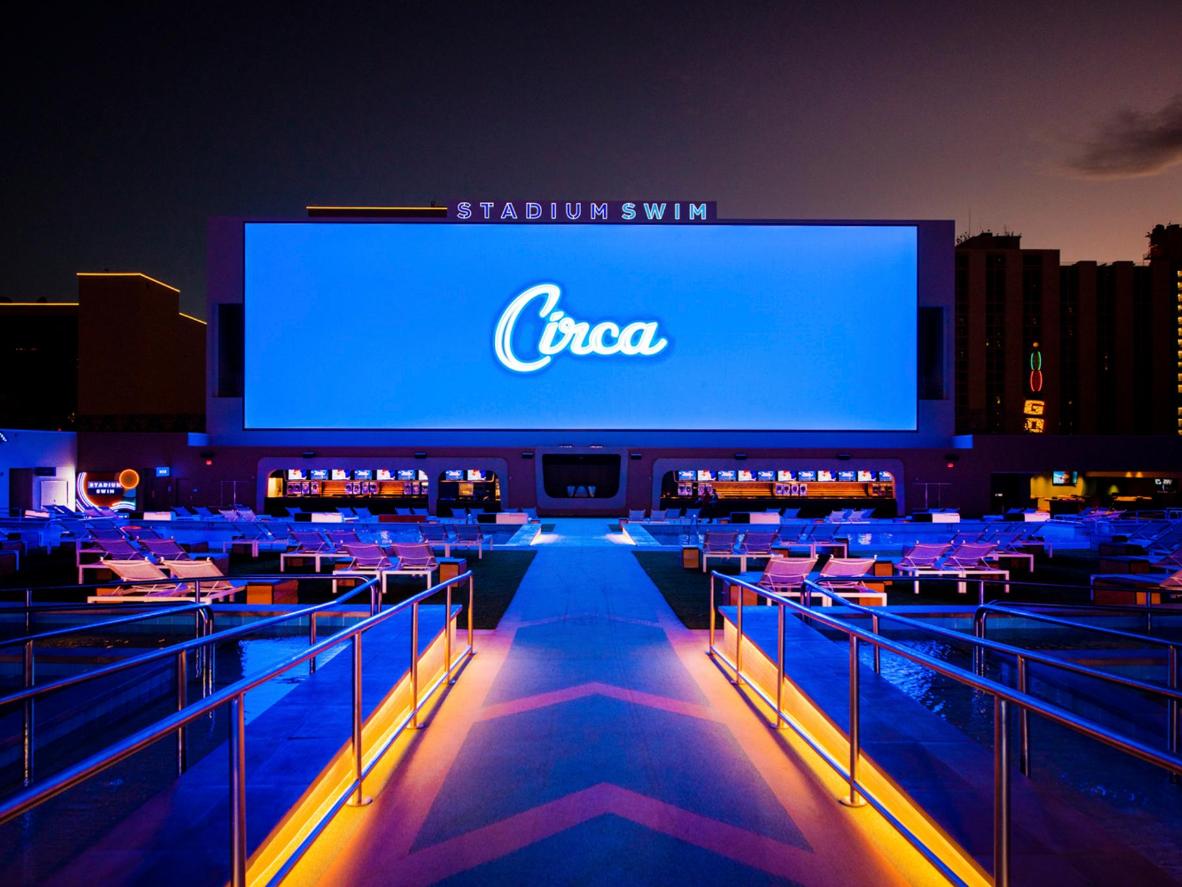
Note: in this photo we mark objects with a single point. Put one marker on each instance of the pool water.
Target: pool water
(1138, 801)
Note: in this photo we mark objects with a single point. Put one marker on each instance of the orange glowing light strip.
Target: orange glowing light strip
(36, 304)
(191, 317)
(127, 274)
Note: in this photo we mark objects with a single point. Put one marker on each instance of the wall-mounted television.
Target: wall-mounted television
(686, 474)
(453, 474)
(806, 475)
(296, 474)
(385, 474)
(766, 475)
(705, 474)
(727, 474)
(824, 475)
(1064, 478)
(785, 476)
(865, 477)
(340, 474)
(846, 475)
(318, 473)
(746, 476)
(407, 474)
(362, 474)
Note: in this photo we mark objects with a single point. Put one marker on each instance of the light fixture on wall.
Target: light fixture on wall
(527, 454)
(309, 454)
(421, 454)
(636, 455)
(740, 456)
(843, 457)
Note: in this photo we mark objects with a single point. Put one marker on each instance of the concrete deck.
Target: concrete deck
(592, 741)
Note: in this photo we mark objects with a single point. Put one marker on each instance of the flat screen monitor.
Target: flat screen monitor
(653, 310)
(340, 474)
(296, 474)
(1064, 478)
(687, 475)
(407, 474)
(385, 474)
(824, 475)
(727, 474)
(885, 477)
(453, 474)
(705, 474)
(477, 474)
(318, 474)
(785, 476)
(362, 474)
(846, 475)
(864, 476)
(766, 475)
(746, 476)
(807, 476)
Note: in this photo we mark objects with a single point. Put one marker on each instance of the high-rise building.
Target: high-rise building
(1084, 348)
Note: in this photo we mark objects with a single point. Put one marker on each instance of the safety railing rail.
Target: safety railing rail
(31, 691)
(100, 626)
(1022, 658)
(1003, 697)
(234, 696)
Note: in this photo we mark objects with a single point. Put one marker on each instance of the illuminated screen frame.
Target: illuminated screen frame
(921, 248)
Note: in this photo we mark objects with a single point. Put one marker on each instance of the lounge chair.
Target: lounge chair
(364, 558)
(842, 576)
(718, 544)
(757, 543)
(470, 536)
(436, 535)
(152, 584)
(785, 575)
(214, 585)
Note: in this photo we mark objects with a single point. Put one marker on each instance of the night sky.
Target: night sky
(126, 128)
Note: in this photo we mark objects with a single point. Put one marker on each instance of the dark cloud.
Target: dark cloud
(1132, 143)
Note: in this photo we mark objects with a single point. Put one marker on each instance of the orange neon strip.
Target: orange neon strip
(191, 317)
(127, 274)
(36, 304)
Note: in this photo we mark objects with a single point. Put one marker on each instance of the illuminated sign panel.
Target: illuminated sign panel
(577, 326)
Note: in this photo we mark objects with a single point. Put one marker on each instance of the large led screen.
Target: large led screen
(353, 325)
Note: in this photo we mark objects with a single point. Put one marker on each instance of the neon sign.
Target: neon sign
(564, 333)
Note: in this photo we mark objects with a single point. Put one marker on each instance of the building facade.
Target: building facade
(1085, 348)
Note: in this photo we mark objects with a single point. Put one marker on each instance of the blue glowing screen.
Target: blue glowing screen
(596, 326)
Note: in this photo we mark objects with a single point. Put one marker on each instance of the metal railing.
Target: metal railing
(1003, 698)
(1023, 657)
(234, 696)
(28, 695)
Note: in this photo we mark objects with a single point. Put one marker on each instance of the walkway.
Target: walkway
(591, 741)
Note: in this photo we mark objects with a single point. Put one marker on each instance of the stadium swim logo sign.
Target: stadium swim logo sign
(562, 334)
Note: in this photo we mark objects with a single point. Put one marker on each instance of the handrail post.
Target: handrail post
(359, 799)
(854, 799)
(1001, 794)
(739, 640)
(1023, 723)
(28, 609)
(877, 648)
(779, 666)
(27, 731)
(237, 746)
(471, 604)
(981, 591)
(710, 647)
(375, 598)
(414, 666)
(447, 637)
(312, 641)
(182, 699)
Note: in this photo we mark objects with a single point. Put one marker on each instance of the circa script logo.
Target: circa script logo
(564, 333)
